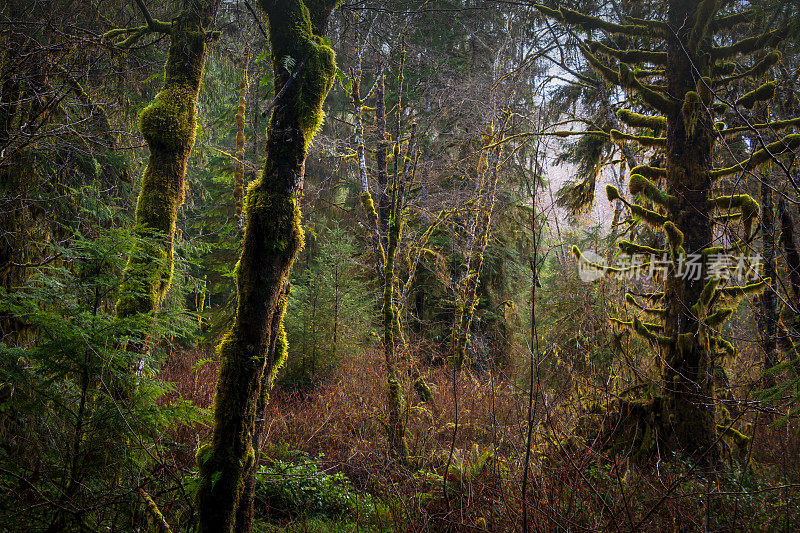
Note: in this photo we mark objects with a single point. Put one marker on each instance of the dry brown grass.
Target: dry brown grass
(573, 485)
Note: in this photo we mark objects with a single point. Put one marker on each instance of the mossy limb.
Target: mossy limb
(761, 94)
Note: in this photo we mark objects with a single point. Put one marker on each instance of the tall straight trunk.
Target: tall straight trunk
(384, 259)
(768, 318)
(380, 156)
(168, 126)
(688, 366)
(273, 237)
(238, 172)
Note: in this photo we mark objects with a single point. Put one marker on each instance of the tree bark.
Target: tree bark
(168, 126)
(273, 237)
(688, 385)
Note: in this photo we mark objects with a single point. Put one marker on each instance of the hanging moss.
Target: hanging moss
(644, 330)
(650, 172)
(759, 69)
(636, 120)
(749, 45)
(716, 319)
(631, 248)
(774, 126)
(723, 68)
(764, 92)
(691, 112)
(704, 14)
(628, 56)
(749, 209)
(644, 140)
(786, 144)
(608, 74)
(638, 184)
(726, 22)
(674, 239)
(650, 96)
(733, 295)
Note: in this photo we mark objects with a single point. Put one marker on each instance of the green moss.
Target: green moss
(716, 319)
(787, 143)
(723, 68)
(733, 295)
(169, 122)
(749, 209)
(764, 92)
(650, 172)
(628, 56)
(704, 14)
(638, 184)
(644, 330)
(749, 45)
(649, 95)
(608, 74)
(637, 120)
(691, 112)
(631, 248)
(757, 70)
(644, 140)
(613, 193)
(649, 216)
(674, 239)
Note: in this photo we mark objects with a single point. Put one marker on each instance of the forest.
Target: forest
(399, 265)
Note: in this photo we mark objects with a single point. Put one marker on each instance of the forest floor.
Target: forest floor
(326, 467)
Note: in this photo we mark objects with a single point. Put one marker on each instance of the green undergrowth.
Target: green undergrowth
(294, 493)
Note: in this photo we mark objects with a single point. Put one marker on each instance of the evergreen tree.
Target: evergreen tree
(688, 66)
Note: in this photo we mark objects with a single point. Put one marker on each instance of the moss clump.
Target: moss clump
(628, 55)
(764, 92)
(744, 202)
(637, 120)
(170, 121)
(674, 239)
(650, 172)
(691, 112)
(645, 140)
(638, 184)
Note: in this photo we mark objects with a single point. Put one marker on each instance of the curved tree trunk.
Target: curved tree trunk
(273, 236)
(168, 126)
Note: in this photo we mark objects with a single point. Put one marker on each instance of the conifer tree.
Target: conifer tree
(677, 67)
(273, 237)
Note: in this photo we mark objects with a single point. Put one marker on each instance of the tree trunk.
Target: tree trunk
(273, 236)
(688, 386)
(768, 318)
(168, 126)
(238, 172)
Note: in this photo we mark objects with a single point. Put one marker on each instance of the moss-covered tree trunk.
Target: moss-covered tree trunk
(273, 237)
(768, 317)
(238, 171)
(688, 368)
(276, 356)
(168, 126)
